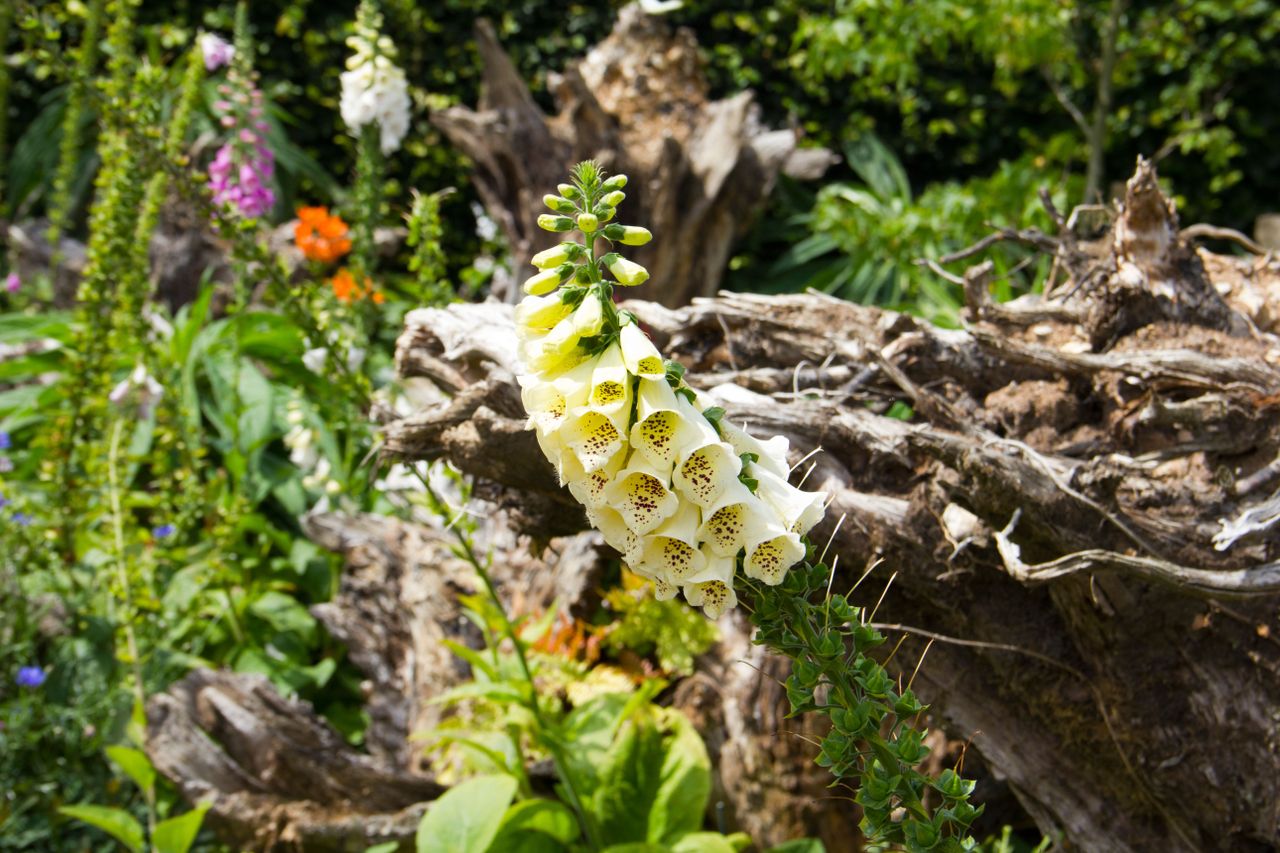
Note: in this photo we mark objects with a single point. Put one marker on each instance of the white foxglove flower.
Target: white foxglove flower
(374, 89)
(314, 359)
(541, 313)
(661, 430)
(628, 273)
(588, 487)
(139, 389)
(614, 528)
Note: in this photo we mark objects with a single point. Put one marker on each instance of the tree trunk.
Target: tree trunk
(1077, 522)
(700, 170)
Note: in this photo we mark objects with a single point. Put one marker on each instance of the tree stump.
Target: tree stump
(700, 170)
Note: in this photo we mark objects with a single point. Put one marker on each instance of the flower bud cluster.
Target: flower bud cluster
(684, 496)
(374, 88)
(240, 174)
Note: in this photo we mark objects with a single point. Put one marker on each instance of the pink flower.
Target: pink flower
(217, 51)
(12, 283)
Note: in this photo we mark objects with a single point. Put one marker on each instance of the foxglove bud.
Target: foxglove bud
(628, 273)
(556, 255)
(547, 280)
(617, 182)
(588, 223)
(633, 235)
(547, 222)
(614, 198)
(558, 204)
(606, 213)
(569, 191)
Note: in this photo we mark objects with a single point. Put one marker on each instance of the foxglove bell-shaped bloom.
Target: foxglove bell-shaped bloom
(773, 551)
(729, 519)
(798, 511)
(640, 494)
(671, 551)
(706, 471)
(639, 354)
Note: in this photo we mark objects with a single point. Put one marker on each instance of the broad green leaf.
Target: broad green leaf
(177, 834)
(703, 842)
(116, 822)
(636, 847)
(629, 781)
(685, 782)
(135, 764)
(467, 818)
(548, 817)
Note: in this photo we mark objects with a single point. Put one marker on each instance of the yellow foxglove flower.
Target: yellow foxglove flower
(705, 472)
(554, 352)
(614, 528)
(769, 557)
(610, 388)
(798, 510)
(588, 488)
(727, 521)
(639, 353)
(588, 223)
(640, 494)
(662, 430)
(545, 403)
(716, 595)
(628, 273)
(671, 551)
(592, 438)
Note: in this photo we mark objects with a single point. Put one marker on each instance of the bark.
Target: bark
(700, 170)
(1079, 515)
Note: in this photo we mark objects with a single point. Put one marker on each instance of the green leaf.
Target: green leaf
(799, 845)
(467, 818)
(685, 782)
(136, 766)
(548, 817)
(177, 834)
(285, 614)
(118, 823)
(384, 847)
(703, 842)
(636, 847)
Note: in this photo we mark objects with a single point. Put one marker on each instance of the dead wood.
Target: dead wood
(638, 103)
(1081, 487)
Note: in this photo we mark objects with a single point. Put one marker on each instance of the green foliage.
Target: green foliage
(670, 631)
(468, 817)
(873, 738)
(866, 241)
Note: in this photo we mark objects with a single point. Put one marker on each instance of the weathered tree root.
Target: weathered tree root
(1117, 421)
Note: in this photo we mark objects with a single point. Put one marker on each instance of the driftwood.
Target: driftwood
(1078, 516)
(700, 170)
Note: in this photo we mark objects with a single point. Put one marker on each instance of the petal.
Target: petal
(703, 474)
(641, 356)
(641, 495)
(545, 403)
(588, 319)
(798, 510)
(611, 388)
(615, 531)
(714, 597)
(772, 453)
(593, 439)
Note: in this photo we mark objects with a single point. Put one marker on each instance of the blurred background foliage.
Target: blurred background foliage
(971, 105)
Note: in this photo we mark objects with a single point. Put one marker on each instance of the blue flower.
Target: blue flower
(4, 502)
(164, 531)
(5, 441)
(31, 676)
(22, 519)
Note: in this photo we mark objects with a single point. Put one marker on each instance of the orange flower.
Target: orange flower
(346, 288)
(321, 237)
